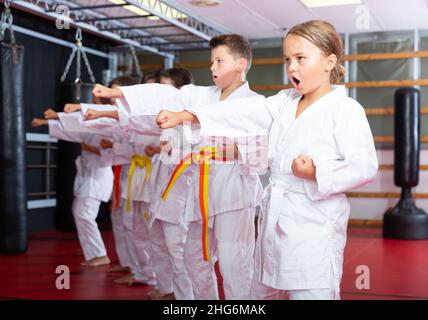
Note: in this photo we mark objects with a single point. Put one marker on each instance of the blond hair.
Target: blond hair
(325, 37)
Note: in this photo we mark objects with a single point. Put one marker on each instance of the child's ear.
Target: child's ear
(242, 64)
(330, 62)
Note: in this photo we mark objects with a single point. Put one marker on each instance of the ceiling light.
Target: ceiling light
(161, 7)
(204, 3)
(328, 3)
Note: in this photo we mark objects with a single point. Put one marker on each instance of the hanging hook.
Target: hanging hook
(9, 17)
(6, 23)
(79, 37)
(79, 53)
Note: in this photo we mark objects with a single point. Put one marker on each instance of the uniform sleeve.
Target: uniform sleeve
(358, 164)
(253, 154)
(141, 104)
(238, 118)
(99, 107)
(100, 125)
(56, 130)
(123, 117)
(180, 147)
(123, 152)
(149, 99)
(110, 158)
(143, 125)
(140, 142)
(107, 156)
(73, 122)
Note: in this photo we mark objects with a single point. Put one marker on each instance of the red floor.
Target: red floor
(398, 269)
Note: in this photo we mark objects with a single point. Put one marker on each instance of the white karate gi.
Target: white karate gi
(169, 222)
(93, 184)
(303, 224)
(137, 220)
(133, 225)
(111, 130)
(168, 231)
(123, 233)
(232, 195)
(145, 192)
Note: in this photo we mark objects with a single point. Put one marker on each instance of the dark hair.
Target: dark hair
(325, 37)
(237, 45)
(123, 81)
(152, 76)
(179, 76)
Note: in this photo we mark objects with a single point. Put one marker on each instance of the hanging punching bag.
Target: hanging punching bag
(71, 92)
(405, 220)
(66, 157)
(13, 200)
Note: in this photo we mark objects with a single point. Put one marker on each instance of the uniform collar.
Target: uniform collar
(338, 92)
(239, 92)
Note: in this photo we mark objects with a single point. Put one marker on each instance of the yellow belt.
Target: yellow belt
(141, 162)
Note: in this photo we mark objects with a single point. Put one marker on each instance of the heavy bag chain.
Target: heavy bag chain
(6, 23)
(80, 53)
(134, 64)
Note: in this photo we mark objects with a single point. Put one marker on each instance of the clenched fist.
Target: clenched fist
(168, 119)
(303, 167)
(71, 107)
(91, 114)
(89, 148)
(151, 150)
(165, 147)
(101, 91)
(50, 114)
(106, 144)
(38, 122)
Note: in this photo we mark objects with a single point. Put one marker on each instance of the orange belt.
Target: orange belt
(203, 158)
(117, 170)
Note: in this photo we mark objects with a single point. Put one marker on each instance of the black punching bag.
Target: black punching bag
(406, 221)
(13, 199)
(73, 92)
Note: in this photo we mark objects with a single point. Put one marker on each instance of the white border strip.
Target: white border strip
(44, 203)
(39, 137)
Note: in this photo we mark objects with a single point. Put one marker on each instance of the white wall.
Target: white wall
(374, 208)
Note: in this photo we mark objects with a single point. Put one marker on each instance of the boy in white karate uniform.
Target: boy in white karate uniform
(137, 179)
(320, 146)
(93, 184)
(126, 257)
(169, 230)
(136, 188)
(231, 198)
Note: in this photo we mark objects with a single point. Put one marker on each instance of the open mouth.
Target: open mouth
(295, 80)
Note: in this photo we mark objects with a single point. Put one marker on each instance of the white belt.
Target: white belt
(277, 190)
